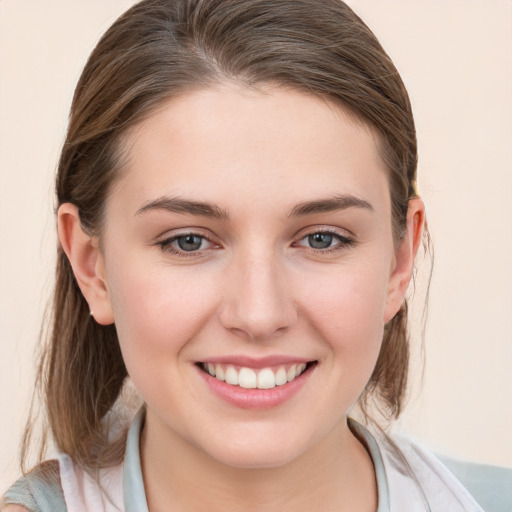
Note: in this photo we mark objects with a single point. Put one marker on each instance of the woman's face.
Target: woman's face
(249, 236)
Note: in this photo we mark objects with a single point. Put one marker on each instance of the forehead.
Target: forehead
(245, 144)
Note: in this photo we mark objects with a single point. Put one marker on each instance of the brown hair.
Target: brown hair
(162, 48)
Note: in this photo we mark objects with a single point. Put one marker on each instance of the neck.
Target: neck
(335, 474)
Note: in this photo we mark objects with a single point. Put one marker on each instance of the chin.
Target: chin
(260, 460)
(258, 454)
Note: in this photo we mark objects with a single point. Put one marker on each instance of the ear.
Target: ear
(85, 257)
(404, 258)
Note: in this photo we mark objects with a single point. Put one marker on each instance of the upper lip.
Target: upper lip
(257, 362)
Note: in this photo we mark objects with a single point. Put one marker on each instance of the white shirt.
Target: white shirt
(409, 478)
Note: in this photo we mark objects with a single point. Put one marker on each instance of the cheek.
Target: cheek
(157, 312)
(347, 307)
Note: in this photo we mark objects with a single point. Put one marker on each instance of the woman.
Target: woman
(238, 220)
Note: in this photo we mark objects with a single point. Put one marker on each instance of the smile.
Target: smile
(249, 378)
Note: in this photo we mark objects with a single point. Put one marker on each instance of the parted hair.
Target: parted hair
(160, 49)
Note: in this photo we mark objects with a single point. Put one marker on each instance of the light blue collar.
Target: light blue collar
(133, 485)
(369, 442)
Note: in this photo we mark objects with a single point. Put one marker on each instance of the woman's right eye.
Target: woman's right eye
(188, 243)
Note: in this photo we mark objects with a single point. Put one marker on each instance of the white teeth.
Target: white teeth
(247, 378)
(266, 378)
(291, 373)
(281, 377)
(231, 376)
(219, 372)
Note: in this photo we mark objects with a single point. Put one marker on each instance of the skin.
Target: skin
(256, 287)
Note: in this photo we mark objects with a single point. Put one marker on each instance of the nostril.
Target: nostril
(258, 311)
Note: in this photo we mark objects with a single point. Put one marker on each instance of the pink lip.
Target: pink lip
(254, 398)
(257, 363)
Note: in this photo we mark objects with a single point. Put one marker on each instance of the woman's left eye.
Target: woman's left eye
(325, 240)
(188, 243)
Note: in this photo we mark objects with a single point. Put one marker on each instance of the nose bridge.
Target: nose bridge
(259, 302)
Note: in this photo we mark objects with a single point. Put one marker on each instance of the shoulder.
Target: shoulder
(37, 491)
(489, 486)
(57, 485)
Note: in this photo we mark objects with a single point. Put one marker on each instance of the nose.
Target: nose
(258, 301)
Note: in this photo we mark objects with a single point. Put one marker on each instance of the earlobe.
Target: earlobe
(87, 262)
(404, 258)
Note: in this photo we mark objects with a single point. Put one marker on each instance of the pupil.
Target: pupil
(320, 240)
(189, 242)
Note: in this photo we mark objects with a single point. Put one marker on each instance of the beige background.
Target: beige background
(455, 57)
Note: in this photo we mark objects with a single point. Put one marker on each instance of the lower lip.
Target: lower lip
(255, 398)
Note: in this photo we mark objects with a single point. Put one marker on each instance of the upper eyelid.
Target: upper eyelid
(311, 230)
(178, 233)
(326, 232)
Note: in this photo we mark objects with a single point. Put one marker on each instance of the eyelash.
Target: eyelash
(166, 245)
(344, 242)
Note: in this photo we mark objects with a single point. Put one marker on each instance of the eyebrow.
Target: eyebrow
(204, 209)
(329, 205)
(179, 205)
